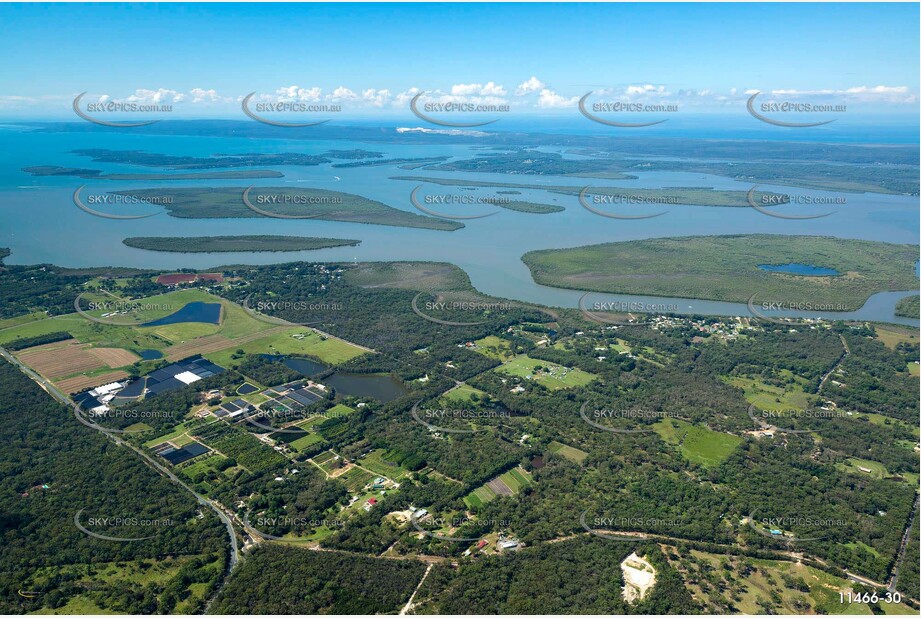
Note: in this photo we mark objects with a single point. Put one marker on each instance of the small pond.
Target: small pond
(800, 269)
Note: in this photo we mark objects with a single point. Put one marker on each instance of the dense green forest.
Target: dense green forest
(579, 576)
(51, 467)
(284, 580)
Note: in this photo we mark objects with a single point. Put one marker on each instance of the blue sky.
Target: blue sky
(371, 58)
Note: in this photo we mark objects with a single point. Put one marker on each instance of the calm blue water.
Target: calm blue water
(305, 366)
(41, 224)
(150, 354)
(381, 388)
(800, 269)
(208, 313)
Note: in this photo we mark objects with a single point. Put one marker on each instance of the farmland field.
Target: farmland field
(327, 461)
(354, 478)
(238, 444)
(305, 442)
(506, 484)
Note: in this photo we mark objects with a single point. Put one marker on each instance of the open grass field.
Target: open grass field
(206, 464)
(172, 436)
(892, 335)
(726, 268)
(769, 397)
(293, 340)
(506, 484)
(378, 462)
(22, 319)
(698, 444)
(463, 394)
(572, 454)
(495, 347)
(872, 469)
(306, 442)
(551, 375)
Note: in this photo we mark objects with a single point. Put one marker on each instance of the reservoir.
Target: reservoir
(380, 387)
(208, 313)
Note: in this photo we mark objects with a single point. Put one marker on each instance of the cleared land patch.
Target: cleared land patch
(81, 383)
(495, 347)
(572, 454)
(698, 444)
(549, 374)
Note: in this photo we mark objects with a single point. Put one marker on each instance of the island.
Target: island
(908, 307)
(285, 203)
(94, 174)
(624, 196)
(230, 244)
(811, 273)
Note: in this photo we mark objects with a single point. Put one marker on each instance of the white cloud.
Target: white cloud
(405, 97)
(200, 95)
(161, 95)
(531, 85)
(377, 98)
(878, 90)
(490, 89)
(550, 99)
(870, 94)
(296, 93)
(342, 93)
(441, 131)
(646, 89)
